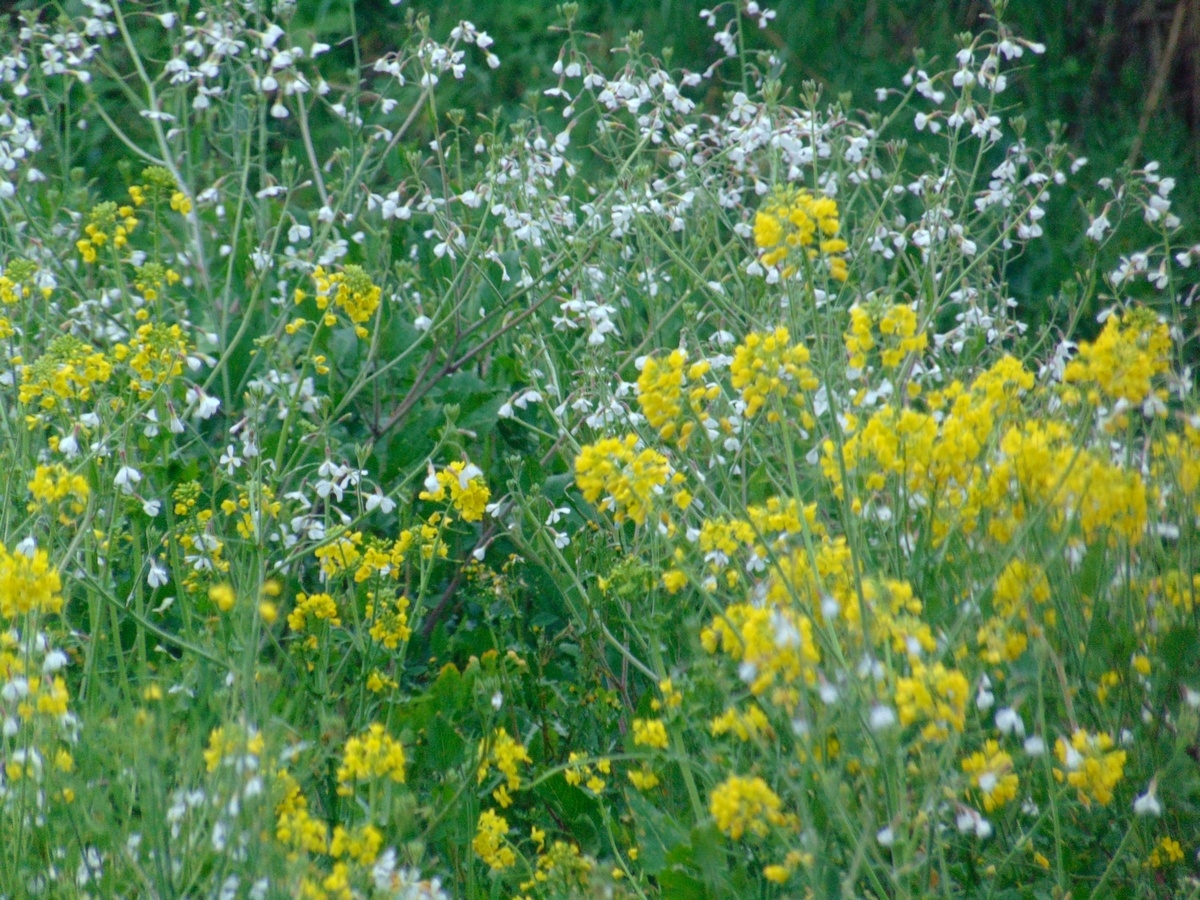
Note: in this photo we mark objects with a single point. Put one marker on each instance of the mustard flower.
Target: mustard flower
(1090, 765)
(745, 804)
(627, 478)
(489, 842)
(372, 754)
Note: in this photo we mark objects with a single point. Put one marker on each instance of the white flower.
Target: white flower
(886, 836)
(1099, 227)
(882, 717)
(152, 507)
(127, 477)
(1008, 720)
(1147, 804)
(230, 461)
(68, 446)
(158, 574)
(432, 485)
(379, 501)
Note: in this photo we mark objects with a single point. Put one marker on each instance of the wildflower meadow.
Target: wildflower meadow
(662, 491)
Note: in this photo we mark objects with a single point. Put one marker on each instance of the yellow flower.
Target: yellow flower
(294, 825)
(53, 484)
(1167, 852)
(388, 616)
(649, 733)
(1122, 363)
(225, 745)
(28, 583)
(935, 695)
(745, 804)
(626, 478)
(506, 754)
(360, 844)
(350, 290)
(468, 490)
(372, 754)
(792, 221)
(774, 644)
(643, 779)
(766, 365)
(319, 607)
(490, 844)
(68, 370)
(222, 596)
(674, 581)
(1090, 765)
(991, 772)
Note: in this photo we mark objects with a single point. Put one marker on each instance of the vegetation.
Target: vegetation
(675, 486)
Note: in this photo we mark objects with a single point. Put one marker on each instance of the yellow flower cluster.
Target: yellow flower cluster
(106, 222)
(468, 490)
(313, 608)
(223, 597)
(947, 461)
(1176, 461)
(490, 843)
(152, 278)
(28, 583)
(1166, 852)
(158, 184)
(774, 645)
(40, 696)
(156, 354)
(626, 478)
(52, 485)
(1090, 765)
(580, 772)
(562, 868)
(388, 615)
(254, 508)
(1182, 591)
(899, 335)
(17, 282)
(747, 724)
(361, 844)
(294, 826)
(68, 370)
(660, 388)
(350, 290)
(1122, 363)
(934, 695)
(768, 364)
(506, 755)
(384, 558)
(991, 773)
(1021, 589)
(792, 221)
(229, 745)
(372, 754)
(644, 778)
(1042, 466)
(745, 804)
(650, 733)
